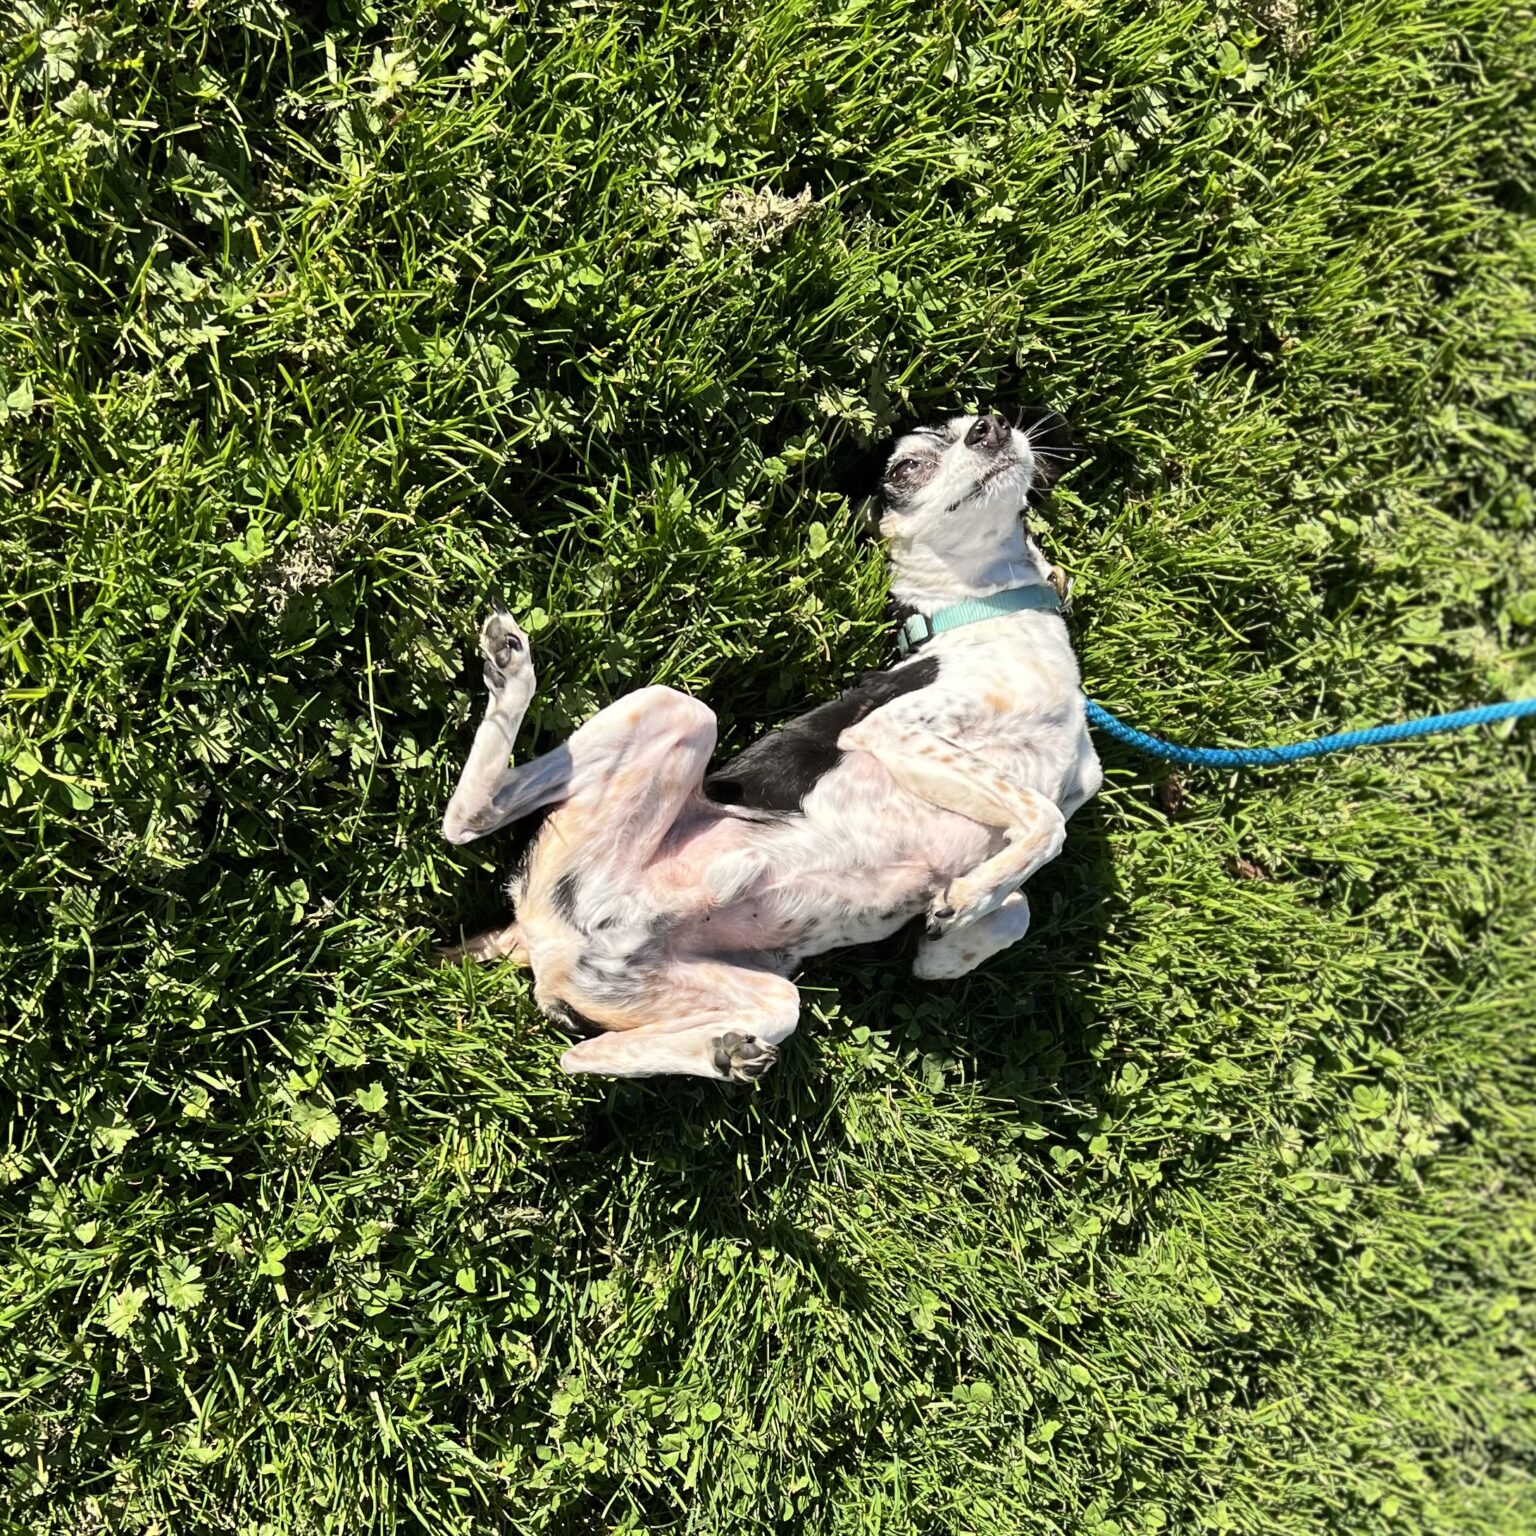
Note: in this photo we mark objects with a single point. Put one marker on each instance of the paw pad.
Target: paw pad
(743, 1058)
(503, 648)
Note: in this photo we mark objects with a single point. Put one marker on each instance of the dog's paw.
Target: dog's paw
(504, 653)
(743, 1058)
(959, 905)
(939, 963)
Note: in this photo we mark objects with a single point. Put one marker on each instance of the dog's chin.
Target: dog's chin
(1009, 480)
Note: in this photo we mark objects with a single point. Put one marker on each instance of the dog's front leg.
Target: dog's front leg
(490, 792)
(953, 778)
(1034, 838)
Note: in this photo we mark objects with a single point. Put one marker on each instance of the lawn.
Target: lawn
(1208, 1209)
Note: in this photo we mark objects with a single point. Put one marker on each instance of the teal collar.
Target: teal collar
(923, 626)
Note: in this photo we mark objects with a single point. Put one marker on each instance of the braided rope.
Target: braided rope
(1270, 757)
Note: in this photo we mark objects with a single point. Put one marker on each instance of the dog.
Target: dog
(664, 912)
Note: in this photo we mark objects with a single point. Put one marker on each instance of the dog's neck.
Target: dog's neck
(925, 579)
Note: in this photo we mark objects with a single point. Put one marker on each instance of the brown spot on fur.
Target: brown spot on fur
(998, 703)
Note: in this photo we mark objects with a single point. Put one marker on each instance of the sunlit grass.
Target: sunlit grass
(1207, 1209)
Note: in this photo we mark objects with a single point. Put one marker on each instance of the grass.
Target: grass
(1208, 1209)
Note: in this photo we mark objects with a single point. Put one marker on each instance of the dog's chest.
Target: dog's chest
(1018, 666)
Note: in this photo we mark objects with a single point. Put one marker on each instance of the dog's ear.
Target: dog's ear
(856, 471)
(856, 474)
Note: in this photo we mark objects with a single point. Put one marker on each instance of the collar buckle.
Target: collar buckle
(917, 630)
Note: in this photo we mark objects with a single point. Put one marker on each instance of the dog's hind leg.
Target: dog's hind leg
(957, 952)
(727, 1055)
(490, 791)
(712, 1020)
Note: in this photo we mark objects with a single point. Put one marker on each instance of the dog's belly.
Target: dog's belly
(863, 857)
(816, 911)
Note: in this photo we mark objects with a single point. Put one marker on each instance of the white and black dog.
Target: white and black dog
(664, 912)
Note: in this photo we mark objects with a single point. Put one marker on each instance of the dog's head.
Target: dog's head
(968, 467)
(957, 490)
(950, 499)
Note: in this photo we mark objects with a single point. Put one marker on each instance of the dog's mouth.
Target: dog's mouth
(978, 486)
(997, 469)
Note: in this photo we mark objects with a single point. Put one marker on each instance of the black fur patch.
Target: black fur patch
(563, 898)
(777, 772)
(577, 1025)
(601, 974)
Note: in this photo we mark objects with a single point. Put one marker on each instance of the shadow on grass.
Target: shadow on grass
(733, 1164)
(1022, 1030)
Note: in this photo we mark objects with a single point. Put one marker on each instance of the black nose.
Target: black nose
(987, 432)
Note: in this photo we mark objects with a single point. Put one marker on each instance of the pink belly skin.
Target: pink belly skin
(863, 858)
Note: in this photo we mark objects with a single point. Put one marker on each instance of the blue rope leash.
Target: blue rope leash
(1270, 757)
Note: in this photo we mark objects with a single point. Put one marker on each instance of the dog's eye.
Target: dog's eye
(904, 471)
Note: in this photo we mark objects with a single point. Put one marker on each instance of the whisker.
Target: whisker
(1046, 424)
(1055, 458)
